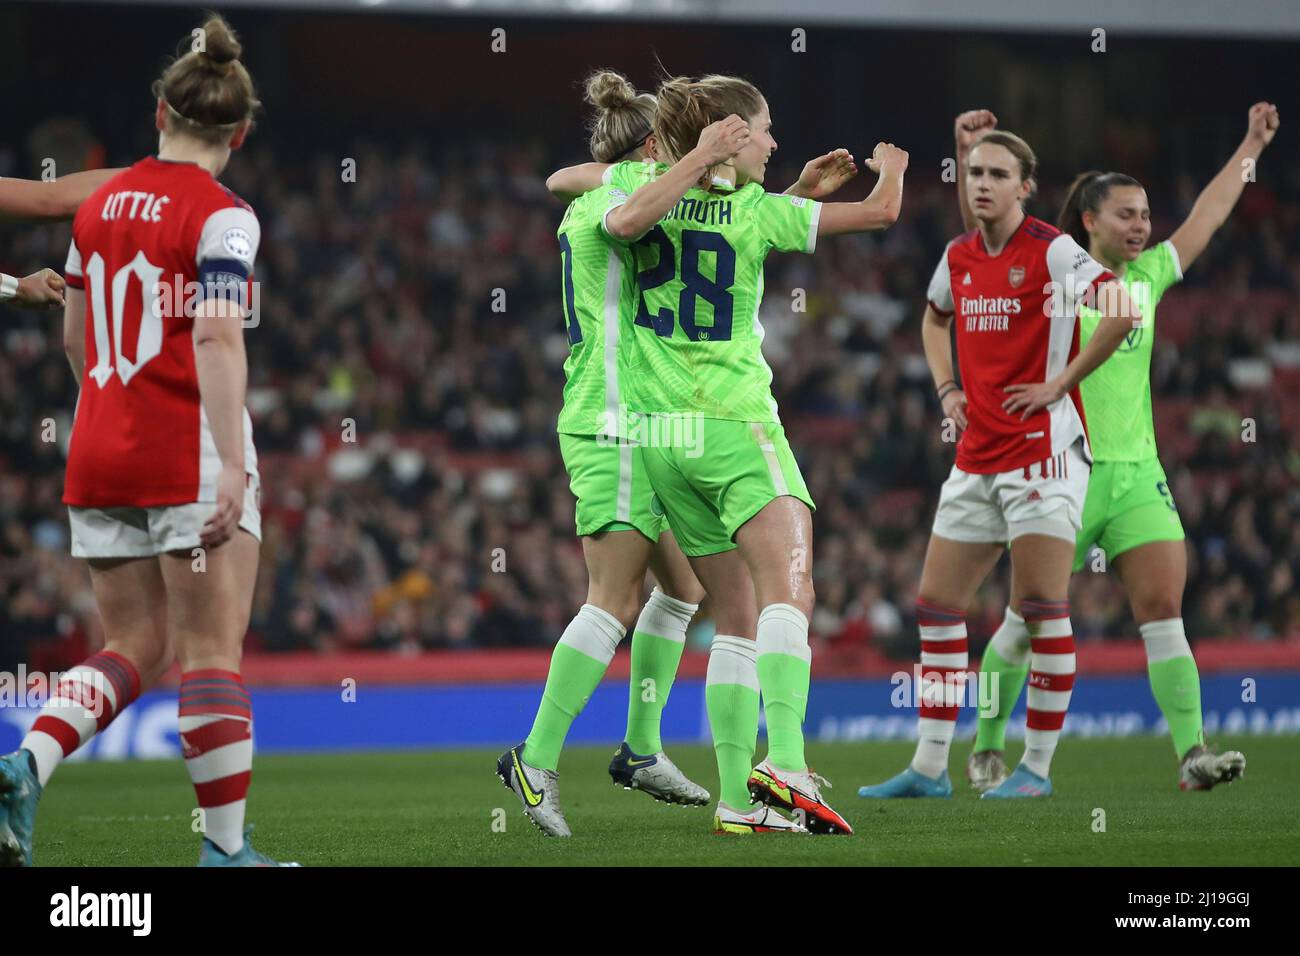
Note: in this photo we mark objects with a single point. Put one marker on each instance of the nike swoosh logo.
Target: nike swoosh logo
(641, 763)
(530, 798)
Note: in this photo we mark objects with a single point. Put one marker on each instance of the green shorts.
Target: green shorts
(1128, 504)
(722, 477)
(609, 480)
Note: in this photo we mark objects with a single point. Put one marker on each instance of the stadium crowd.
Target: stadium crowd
(406, 372)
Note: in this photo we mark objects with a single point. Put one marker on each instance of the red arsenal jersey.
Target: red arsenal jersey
(146, 247)
(1016, 319)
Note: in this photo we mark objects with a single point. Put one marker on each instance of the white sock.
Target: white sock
(933, 743)
(732, 660)
(783, 629)
(665, 617)
(1011, 639)
(1165, 640)
(594, 632)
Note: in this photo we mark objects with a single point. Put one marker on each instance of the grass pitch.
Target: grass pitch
(445, 808)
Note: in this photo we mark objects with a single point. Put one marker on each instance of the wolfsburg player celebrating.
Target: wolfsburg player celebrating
(725, 573)
(608, 478)
(715, 451)
(1021, 472)
(1129, 512)
(621, 527)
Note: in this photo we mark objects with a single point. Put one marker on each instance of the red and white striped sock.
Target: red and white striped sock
(1051, 679)
(86, 700)
(944, 655)
(216, 723)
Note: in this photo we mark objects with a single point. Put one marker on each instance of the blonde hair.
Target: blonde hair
(686, 106)
(624, 117)
(208, 92)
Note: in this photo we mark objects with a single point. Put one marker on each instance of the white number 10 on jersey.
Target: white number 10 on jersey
(149, 342)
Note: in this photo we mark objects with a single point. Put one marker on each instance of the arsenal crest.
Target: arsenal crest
(1016, 275)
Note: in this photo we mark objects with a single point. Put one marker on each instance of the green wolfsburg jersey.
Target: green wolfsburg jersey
(696, 342)
(598, 288)
(1117, 395)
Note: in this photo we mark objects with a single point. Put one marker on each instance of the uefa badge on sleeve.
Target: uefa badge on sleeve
(238, 243)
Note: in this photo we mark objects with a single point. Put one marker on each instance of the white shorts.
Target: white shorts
(131, 532)
(1002, 507)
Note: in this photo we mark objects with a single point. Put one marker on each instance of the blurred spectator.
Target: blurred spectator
(407, 371)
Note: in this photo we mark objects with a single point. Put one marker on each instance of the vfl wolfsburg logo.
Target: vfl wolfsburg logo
(1132, 340)
(656, 506)
(1139, 295)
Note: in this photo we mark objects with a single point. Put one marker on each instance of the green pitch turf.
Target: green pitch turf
(448, 808)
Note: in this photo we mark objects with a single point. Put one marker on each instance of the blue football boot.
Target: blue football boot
(909, 783)
(19, 793)
(1023, 782)
(213, 855)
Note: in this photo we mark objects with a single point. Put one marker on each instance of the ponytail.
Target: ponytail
(1086, 194)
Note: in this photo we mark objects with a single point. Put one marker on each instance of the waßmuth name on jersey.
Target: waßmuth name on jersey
(711, 212)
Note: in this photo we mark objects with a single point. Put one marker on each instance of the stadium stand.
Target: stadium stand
(414, 498)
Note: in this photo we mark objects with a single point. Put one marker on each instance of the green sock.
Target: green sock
(731, 697)
(784, 671)
(1175, 681)
(991, 731)
(578, 663)
(1007, 656)
(657, 645)
(654, 665)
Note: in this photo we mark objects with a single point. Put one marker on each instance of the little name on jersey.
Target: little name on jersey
(146, 207)
(712, 212)
(989, 313)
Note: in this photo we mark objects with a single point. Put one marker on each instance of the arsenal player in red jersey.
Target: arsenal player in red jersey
(162, 482)
(1013, 287)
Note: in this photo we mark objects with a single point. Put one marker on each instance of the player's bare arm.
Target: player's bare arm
(572, 181)
(822, 176)
(1214, 204)
(881, 209)
(222, 369)
(1118, 315)
(967, 128)
(28, 199)
(74, 332)
(718, 143)
(936, 340)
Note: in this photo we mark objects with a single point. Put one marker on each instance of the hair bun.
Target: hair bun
(208, 90)
(608, 90)
(219, 42)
